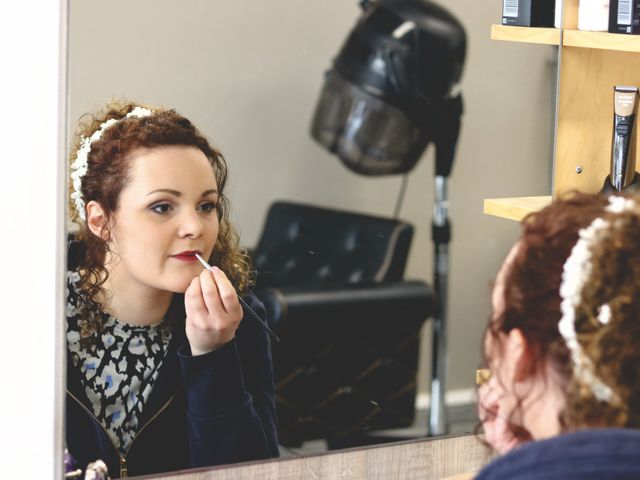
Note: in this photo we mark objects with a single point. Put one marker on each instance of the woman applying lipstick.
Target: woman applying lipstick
(162, 372)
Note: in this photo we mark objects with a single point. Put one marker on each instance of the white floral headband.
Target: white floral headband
(80, 165)
(576, 273)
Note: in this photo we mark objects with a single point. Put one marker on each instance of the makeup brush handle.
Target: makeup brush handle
(261, 322)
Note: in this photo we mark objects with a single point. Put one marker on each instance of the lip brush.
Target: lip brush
(262, 323)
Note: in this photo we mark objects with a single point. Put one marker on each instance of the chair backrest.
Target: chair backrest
(308, 245)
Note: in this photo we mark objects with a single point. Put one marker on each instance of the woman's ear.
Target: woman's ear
(97, 220)
(517, 355)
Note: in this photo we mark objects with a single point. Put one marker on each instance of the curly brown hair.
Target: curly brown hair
(532, 304)
(107, 174)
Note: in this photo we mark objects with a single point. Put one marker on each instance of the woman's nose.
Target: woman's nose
(190, 225)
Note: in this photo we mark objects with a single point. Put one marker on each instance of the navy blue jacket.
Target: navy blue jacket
(602, 454)
(206, 410)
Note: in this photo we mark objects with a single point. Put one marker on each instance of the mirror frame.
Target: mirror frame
(34, 97)
(456, 457)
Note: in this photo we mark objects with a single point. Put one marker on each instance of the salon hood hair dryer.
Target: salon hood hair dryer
(394, 89)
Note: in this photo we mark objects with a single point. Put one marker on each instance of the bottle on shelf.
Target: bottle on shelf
(624, 16)
(528, 13)
(593, 15)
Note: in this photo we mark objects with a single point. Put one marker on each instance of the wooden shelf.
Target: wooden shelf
(514, 208)
(544, 36)
(591, 63)
(601, 40)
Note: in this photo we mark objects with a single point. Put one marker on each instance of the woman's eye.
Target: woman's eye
(161, 208)
(207, 207)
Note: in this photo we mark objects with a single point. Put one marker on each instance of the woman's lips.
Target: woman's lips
(186, 256)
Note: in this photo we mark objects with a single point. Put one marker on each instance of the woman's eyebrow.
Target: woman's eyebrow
(176, 193)
(165, 190)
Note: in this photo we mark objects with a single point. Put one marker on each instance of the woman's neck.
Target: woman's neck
(135, 304)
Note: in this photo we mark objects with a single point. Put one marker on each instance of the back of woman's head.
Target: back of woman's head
(595, 360)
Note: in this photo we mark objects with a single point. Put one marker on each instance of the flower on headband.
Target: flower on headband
(620, 204)
(576, 272)
(81, 164)
(604, 314)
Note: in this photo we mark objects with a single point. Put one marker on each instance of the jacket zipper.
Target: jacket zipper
(124, 470)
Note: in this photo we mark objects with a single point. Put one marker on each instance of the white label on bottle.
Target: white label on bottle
(510, 8)
(624, 12)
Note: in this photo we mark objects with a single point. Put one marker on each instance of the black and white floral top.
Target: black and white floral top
(119, 367)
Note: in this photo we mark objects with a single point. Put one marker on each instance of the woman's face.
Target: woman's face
(165, 214)
(492, 349)
(498, 350)
(530, 400)
(498, 303)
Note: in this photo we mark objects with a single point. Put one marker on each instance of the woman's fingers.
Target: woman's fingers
(210, 293)
(194, 303)
(213, 311)
(487, 401)
(495, 420)
(228, 295)
(499, 435)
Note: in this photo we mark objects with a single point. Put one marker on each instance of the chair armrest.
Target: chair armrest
(413, 298)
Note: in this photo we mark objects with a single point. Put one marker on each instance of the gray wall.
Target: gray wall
(248, 73)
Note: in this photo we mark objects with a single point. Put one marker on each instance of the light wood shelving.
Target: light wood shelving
(514, 208)
(591, 64)
(601, 41)
(545, 36)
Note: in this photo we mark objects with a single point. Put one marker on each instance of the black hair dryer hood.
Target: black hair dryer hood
(393, 89)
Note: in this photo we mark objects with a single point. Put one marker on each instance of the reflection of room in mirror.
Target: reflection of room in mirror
(354, 365)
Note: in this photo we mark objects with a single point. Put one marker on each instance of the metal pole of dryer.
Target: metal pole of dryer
(441, 236)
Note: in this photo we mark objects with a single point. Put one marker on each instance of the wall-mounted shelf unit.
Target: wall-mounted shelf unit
(591, 64)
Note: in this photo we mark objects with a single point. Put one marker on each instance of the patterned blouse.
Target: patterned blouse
(118, 369)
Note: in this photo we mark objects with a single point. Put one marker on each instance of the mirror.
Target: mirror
(249, 73)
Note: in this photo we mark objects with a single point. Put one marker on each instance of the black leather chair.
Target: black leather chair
(332, 283)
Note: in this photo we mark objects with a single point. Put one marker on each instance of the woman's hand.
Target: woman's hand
(495, 417)
(213, 311)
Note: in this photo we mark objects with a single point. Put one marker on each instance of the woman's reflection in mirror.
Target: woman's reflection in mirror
(162, 373)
